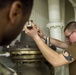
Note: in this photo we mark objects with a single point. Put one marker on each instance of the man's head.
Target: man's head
(70, 32)
(13, 16)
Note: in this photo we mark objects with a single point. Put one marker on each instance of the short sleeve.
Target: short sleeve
(72, 50)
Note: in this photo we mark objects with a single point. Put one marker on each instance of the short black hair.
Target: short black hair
(26, 3)
(71, 26)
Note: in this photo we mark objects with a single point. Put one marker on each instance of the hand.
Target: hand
(31, 32)
(40, 33)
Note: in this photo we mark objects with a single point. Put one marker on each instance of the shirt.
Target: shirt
(72, 66)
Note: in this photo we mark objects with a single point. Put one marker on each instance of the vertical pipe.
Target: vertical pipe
(55, 27)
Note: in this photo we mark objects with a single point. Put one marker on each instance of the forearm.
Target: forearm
(51, 56)
(57, 43)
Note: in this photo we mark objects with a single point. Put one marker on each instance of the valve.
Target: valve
(7, 54)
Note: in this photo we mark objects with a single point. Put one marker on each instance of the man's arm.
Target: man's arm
(53, 41)
(56, 42)
(51, 56)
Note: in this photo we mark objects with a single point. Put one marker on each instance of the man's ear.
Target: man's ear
(15, 11)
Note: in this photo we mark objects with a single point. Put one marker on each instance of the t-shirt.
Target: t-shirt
(72, 66)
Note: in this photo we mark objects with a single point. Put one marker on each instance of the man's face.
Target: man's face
(70, 36)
